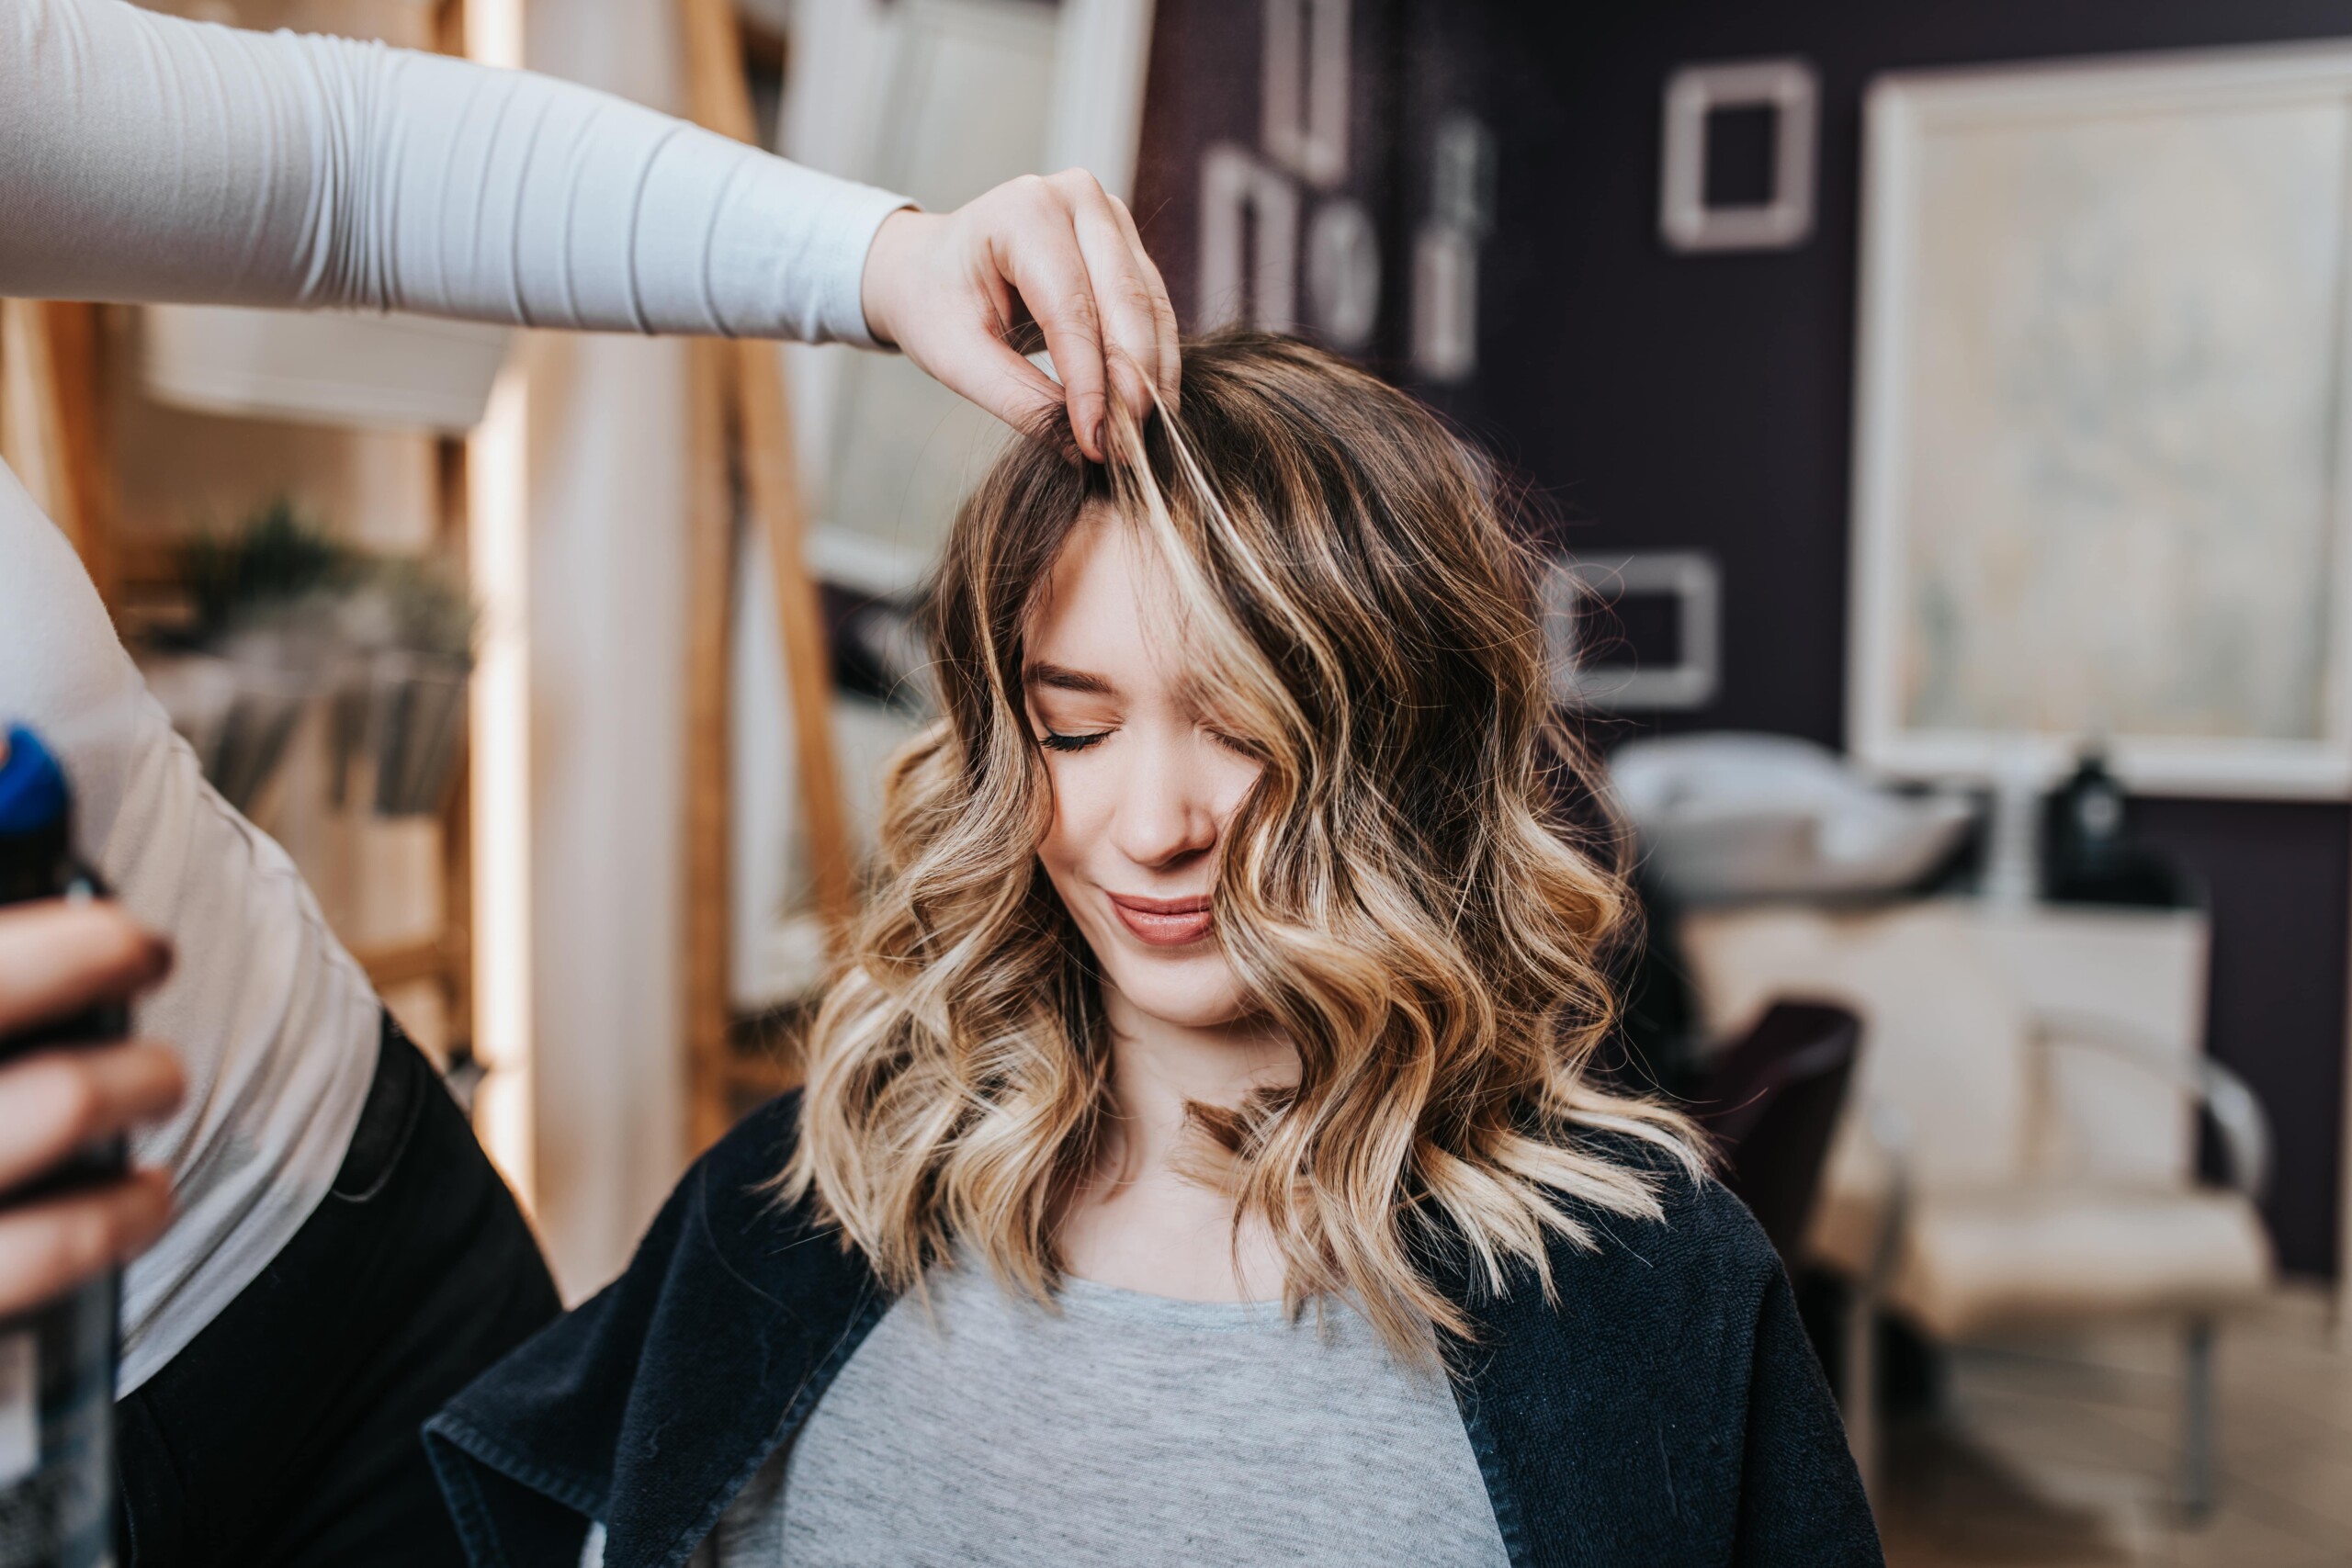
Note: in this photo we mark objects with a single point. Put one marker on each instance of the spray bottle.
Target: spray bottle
(56, 1361)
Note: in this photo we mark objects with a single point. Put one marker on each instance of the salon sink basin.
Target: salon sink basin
(1727, 817)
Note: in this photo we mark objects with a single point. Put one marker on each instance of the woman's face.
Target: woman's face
(1143, 785)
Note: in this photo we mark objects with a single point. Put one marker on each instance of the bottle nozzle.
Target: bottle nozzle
(33, 795)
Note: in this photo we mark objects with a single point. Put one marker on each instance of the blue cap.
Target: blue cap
(33, 795)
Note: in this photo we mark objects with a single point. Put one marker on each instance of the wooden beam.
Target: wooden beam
(720, 99)
(53, 423)
(449, 546)
(396, 965)
(77, 389)
(718, 96)
(25, 442)
(772, 484)
(710, 552)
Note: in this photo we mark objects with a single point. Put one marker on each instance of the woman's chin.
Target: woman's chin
(1194, 992)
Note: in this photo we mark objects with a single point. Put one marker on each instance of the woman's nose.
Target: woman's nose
(1167, 812)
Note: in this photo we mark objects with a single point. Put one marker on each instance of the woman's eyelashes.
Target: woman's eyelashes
(1054, 739)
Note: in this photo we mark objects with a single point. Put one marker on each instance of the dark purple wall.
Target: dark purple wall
(1661, 400)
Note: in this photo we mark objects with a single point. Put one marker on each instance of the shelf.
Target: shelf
(389, 966)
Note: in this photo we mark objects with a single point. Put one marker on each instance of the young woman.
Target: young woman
(1198, 1162)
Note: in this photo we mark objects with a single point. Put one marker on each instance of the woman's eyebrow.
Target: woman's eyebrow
(1067, 680)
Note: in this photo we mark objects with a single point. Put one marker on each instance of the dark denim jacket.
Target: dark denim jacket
(1668, 1411)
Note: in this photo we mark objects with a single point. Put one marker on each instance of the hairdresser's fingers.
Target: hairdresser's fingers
(1036, 248)
(55, 1102)
(1127, 293)
(1163, 311)
(58, 958)
(985, 370)
(933, 288)
(46, 1249)
(937, 288)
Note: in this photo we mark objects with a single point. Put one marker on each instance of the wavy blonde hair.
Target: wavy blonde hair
(1399, 894)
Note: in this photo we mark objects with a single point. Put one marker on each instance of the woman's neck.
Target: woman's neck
(1158, 1069)
(1146, 1220)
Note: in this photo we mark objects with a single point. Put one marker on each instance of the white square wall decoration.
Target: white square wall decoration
(1693, 95)
(1592, 667)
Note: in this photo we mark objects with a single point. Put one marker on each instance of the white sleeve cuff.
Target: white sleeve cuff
(843, 296)
(787, 252)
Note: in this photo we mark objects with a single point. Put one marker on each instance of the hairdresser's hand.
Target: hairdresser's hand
(950, 290)
(55, 960)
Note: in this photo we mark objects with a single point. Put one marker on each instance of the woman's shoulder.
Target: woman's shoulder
(732, 1212)
(1664, 1370)
(1699, 1260)
(741, 1167)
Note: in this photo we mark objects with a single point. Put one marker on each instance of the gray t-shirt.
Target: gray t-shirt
(1124, 1428)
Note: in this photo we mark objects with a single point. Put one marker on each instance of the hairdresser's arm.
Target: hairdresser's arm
(145, 157)
(56, 960)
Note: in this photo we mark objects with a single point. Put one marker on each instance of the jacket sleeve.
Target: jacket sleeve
(1801, 1498)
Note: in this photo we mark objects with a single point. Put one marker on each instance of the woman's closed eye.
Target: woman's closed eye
(1057, 740)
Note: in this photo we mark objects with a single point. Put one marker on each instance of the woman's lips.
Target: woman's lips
(1163, 922)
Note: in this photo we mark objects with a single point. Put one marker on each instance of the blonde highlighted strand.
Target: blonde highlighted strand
(1400, 894)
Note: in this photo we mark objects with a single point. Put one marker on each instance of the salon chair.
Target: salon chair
(2020, 1147)
(1772, 1100)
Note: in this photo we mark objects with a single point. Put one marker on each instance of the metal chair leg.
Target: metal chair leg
(1893, 1134)
(2196, 1456)
(1861, 1386)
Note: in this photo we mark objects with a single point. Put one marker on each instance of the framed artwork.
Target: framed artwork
(2100, 423)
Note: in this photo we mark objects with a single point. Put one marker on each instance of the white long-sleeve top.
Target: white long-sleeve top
(147, 158)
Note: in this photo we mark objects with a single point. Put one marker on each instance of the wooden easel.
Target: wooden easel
(52, 428)
(741, 426)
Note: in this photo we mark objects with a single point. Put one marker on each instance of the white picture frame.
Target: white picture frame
(1249, 246)
(1691, 578)
(1303, 106)
(1693, 93)
(2100, 423)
